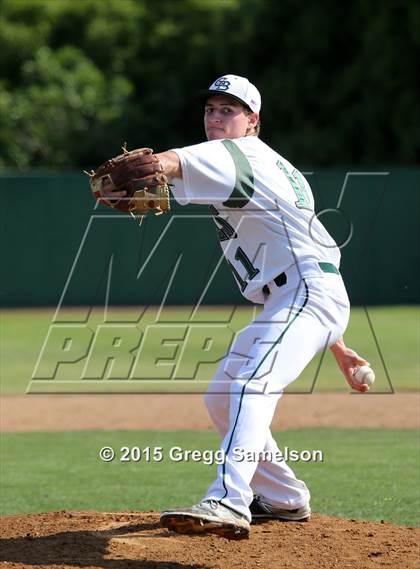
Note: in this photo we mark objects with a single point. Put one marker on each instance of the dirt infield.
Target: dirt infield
(177, 412)
(116, 541)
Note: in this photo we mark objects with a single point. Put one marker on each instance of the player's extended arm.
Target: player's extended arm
(348, 360)
(171, 164)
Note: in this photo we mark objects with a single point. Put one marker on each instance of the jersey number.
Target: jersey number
(251, 271)
(226, 232)
(298, 184)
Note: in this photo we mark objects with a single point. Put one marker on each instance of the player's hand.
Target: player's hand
(348, 361)
(133, 182)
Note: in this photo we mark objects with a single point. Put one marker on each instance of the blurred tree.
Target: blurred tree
(340, 85)
(337, 80)
(61, 110)
(25, 26)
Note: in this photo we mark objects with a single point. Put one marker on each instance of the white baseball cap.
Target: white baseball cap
(237, 87)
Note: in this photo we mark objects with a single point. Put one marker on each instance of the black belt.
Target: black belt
(281, 279)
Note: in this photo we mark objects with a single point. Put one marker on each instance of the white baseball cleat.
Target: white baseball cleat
(208, 516)
(261, 509)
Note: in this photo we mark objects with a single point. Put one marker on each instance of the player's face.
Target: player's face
(226, 118)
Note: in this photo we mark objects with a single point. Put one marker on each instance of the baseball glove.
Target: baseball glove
(140, 174)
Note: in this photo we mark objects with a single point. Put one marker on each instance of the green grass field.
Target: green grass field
(390, 331)
(368, 474)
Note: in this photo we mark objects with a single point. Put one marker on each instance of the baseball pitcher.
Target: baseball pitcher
(281, 257)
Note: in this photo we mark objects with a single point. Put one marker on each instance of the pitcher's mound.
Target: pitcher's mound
(131, 539)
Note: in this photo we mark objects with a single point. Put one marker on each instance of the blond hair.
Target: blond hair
(257, 127)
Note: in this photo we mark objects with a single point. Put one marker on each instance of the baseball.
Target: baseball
(365, 374)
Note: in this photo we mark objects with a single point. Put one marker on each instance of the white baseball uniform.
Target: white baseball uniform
(282, 257)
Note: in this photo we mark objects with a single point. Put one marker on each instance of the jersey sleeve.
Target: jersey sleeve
(208, 174)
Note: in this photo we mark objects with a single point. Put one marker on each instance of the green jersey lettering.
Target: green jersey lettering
(298, 184)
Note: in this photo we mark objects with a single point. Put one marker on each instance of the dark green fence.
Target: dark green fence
(58, 248)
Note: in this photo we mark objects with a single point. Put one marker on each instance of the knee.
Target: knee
(218, 409)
